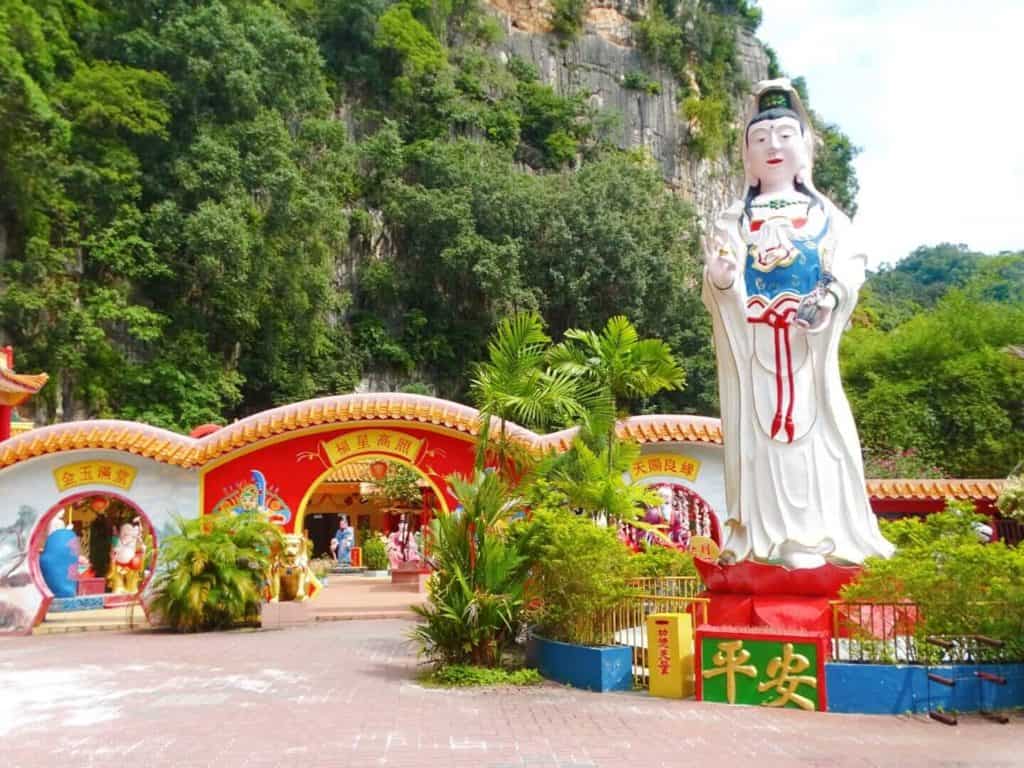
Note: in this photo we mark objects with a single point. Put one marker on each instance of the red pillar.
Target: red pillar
(6, 410)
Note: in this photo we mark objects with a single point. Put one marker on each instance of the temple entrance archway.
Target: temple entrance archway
(92, 550)
(354, 491)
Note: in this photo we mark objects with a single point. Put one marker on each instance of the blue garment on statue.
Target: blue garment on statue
(344, 538)
(798, 278)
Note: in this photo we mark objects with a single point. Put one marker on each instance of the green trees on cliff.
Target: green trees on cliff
(208, 208)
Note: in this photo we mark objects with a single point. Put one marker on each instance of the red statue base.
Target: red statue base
(751, 594)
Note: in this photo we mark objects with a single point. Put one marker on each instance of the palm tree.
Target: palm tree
(214, 570)
(618, 361)
(516, 385)
(619, 366)
(477, 591)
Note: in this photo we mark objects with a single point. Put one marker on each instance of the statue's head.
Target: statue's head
(778, 143)
(128, 533)
(293, 546)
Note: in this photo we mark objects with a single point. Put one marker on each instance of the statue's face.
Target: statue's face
(775, 150)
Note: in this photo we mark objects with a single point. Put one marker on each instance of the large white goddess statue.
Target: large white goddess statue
(781, 278)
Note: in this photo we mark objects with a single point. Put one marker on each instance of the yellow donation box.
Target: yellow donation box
(670, 654)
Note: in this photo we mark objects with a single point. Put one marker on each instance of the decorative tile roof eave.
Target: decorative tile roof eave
(910, 489)
(128, 436)
(341, 409)
(647, 429)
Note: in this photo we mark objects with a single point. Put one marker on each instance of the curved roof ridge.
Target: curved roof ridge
(113, 434)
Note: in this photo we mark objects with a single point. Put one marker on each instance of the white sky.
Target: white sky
(933, 91)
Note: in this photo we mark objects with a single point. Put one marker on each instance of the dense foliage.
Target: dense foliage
(476, 593)
(209, 208)
(929, 369)
(213, 571)
(961, 585)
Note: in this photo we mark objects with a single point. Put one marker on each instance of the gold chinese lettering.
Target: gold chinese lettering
(94, 473)
(784, 672)
(731, 660)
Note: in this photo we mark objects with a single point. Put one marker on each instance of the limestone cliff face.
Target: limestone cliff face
(596, 63)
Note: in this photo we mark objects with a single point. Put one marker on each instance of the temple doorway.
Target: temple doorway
(383, 501)
(92, 551)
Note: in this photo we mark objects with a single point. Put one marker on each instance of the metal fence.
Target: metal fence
(627, 624)
(668, 586)
(874, 632)
(893, 633)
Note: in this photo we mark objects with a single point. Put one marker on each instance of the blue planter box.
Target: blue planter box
(883, 689)
(605, 668)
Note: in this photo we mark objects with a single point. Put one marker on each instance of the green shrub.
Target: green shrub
(662, 561)
(579, 572)
(636, 80)
(476, 594)
(711, 132)
(213, 571)
(567, 17)
(961, 585)
(375, 553)
(464, 675)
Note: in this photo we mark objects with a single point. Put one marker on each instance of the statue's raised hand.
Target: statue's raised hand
(720, 258)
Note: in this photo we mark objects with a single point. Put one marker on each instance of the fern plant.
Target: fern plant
(214, 570)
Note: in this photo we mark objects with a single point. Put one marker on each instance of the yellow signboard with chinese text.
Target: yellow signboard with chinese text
(670, 655)
(672, 464)
(111, 473)
(386, 441)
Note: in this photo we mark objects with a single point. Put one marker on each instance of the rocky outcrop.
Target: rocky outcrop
(597, 64)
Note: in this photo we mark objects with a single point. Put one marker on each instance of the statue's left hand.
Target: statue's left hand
(822, 318)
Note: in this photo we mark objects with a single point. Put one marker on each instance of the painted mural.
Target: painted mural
(130, 501)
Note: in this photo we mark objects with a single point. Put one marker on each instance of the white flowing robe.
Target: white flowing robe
(803, 487)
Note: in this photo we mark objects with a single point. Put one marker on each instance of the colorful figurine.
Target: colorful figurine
(127, 558)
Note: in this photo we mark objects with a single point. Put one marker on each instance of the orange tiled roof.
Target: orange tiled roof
(928, 489)
(180, 450)
(648, 429)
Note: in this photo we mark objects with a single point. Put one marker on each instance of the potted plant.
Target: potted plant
(580, 572)
(321, 567)
(475, 596)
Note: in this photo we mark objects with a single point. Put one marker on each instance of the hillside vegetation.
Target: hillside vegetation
(210, 208)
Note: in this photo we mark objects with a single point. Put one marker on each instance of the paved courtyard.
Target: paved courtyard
(343, 693)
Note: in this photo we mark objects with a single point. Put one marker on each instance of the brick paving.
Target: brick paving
(344, 694)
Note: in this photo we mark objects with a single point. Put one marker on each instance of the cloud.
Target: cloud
(928, 91)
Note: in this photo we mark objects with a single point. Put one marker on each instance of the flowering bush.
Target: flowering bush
(1011, 501)
(899, 464)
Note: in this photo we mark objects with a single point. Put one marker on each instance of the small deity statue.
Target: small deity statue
(344, 540)
(781, 279)
(402, 546)
(126, 559)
